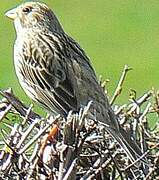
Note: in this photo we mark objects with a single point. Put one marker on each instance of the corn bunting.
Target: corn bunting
(54, 71)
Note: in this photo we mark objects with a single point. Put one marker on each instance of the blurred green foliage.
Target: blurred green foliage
(113, 33)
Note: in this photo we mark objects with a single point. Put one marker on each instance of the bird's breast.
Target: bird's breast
(22, 70)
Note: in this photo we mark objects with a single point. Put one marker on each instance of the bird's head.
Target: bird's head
(34, 15)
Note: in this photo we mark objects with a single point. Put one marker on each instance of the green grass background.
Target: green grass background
(112, 32)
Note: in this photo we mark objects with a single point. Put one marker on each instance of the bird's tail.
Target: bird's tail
(124, 139)
(130, 147)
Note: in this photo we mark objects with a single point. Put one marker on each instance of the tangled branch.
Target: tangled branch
(36, 147)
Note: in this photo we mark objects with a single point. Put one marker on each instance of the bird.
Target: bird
(55, 71)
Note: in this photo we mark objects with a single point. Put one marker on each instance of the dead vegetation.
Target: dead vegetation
(35, 147)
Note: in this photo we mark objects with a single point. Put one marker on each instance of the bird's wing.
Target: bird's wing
(48, 71)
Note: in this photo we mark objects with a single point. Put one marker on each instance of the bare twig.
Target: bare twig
(120, 84)
(77, 147)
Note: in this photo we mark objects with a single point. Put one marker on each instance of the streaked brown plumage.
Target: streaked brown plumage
(55, 72)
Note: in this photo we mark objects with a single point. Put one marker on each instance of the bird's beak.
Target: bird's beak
(12, 14)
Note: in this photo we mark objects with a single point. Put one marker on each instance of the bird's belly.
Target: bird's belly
(21, 75)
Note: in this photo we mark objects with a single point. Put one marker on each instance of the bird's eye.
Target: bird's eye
(26, 9)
